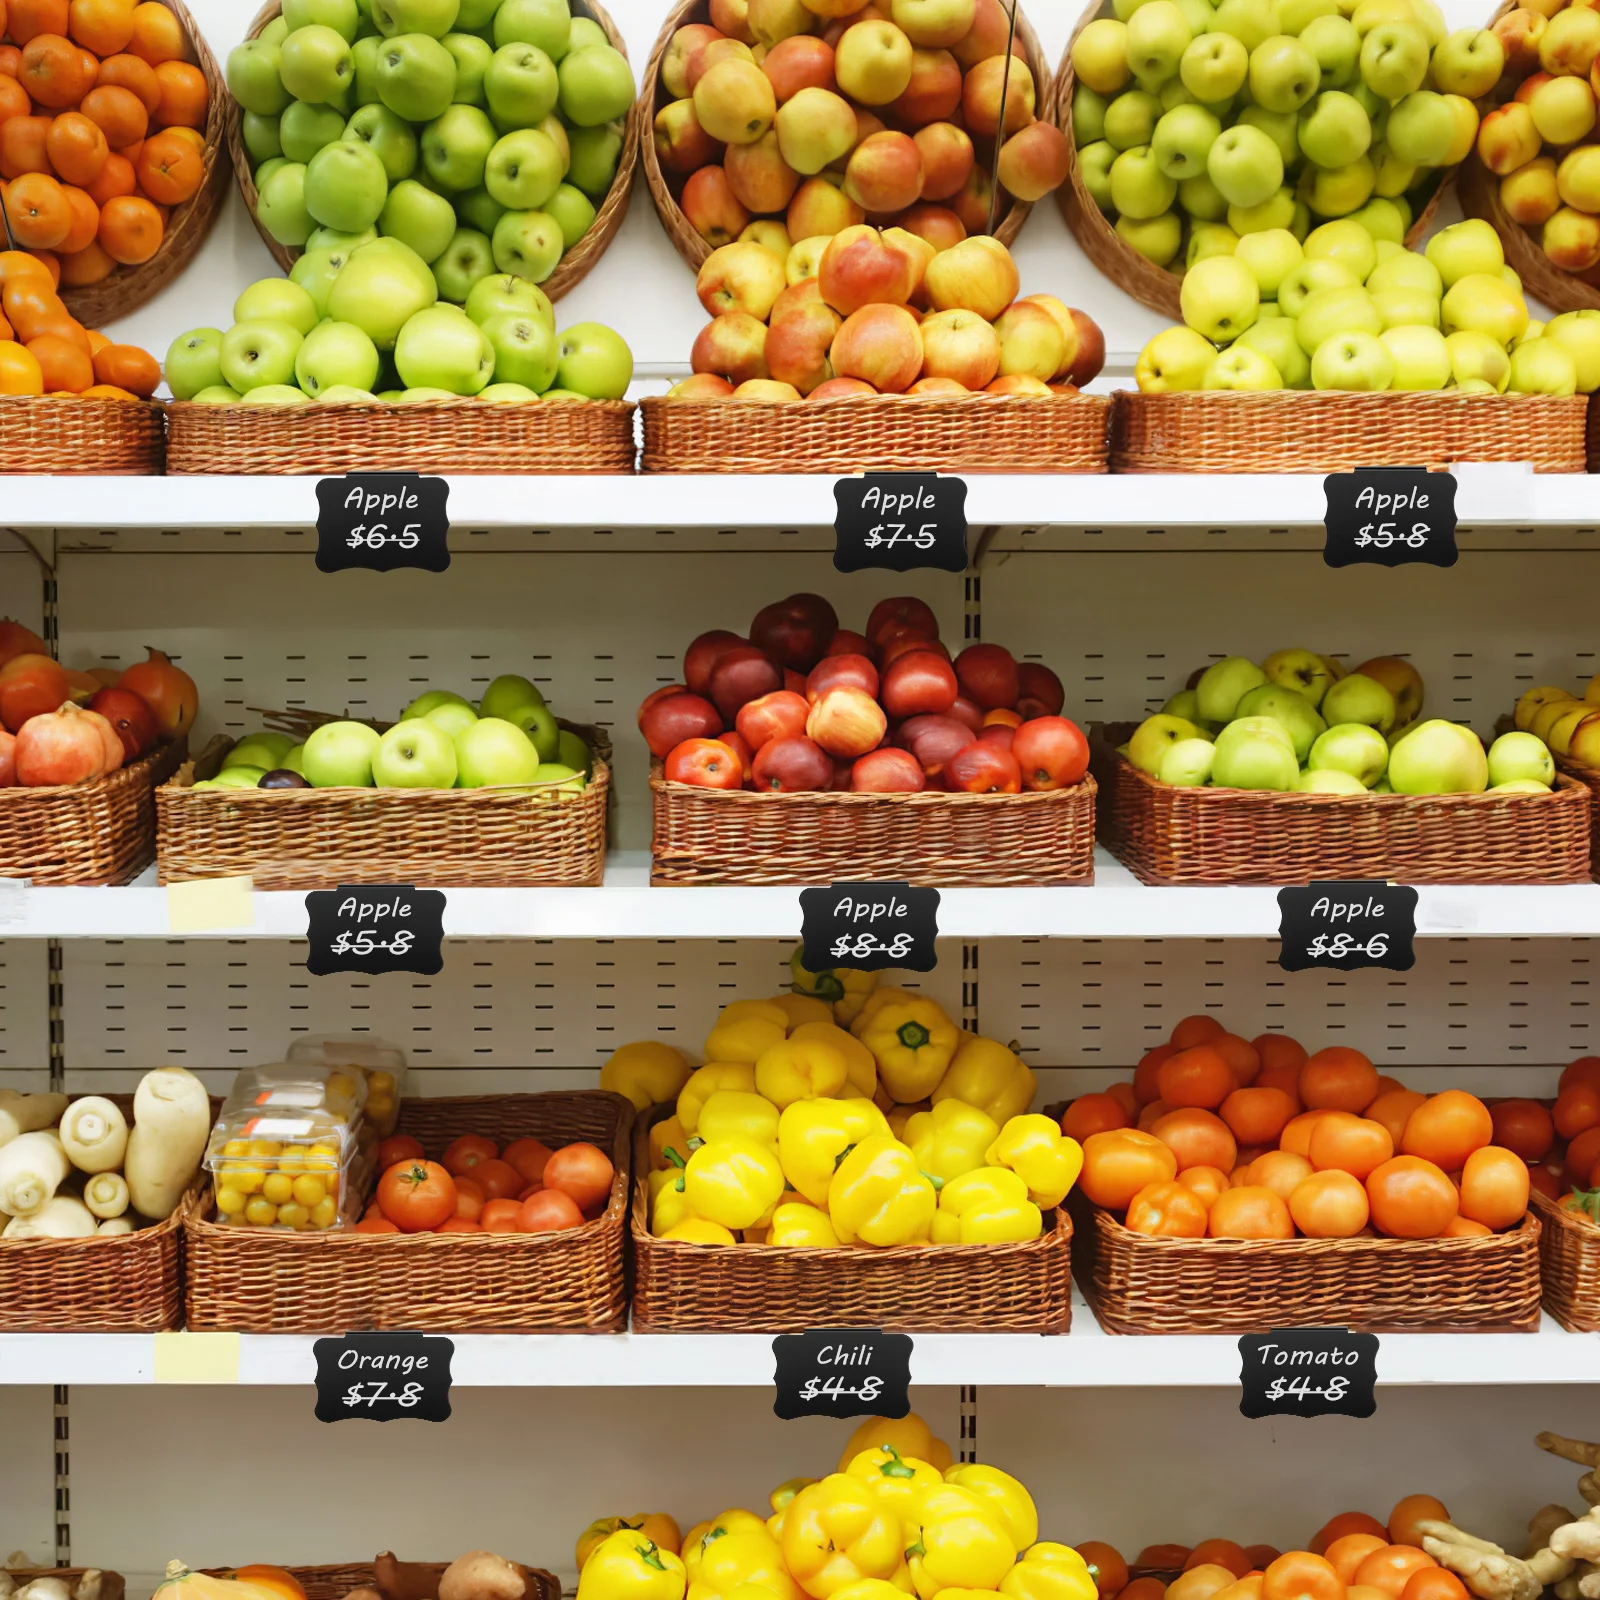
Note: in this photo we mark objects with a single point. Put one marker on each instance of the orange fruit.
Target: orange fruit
(128, 367)
(20, 372)
(97, 341)
(1338, 1079)
(103, 26)
(53, 71)
(130, 230)
(129, 72)
(22, 146)
(14, 101)
(7, 332)
(77, 149)
(119, 113)
(170, 169)
(18, 264)
(25, 18)
(40, 215)
(116, 177)
(157, 34)
(1329, 1205)
(10, 60)
(85, 221)
(1411, 1510)
(30, 304)
(62, 363)
(193, 135)
(107, 391)
(183, 95)
(90, 265)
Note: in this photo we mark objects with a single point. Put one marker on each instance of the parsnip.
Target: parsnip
(26, 1113)
(32, 1167)
(89, 1585)
(171, 1122)
(111, 1226)
(65, 1217)
(44, 1589)
(94, 1133)
(106, 1195)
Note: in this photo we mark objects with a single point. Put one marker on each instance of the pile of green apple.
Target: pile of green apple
(1261, 114)
(442, 741)
(375, 330)
(1298, 721)
(481, 133)
(1349, 311)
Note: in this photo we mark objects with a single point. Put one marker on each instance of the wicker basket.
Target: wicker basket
(1330, 431)
(113, 1586)
(1140, 1284)
(342, 1282)
(755, 1288)
(573, 267)
(1589, 777)
(980, 433)
(1173, 835)
(334, 1583)
(667, 188)
(1569, 1265)
(99, 832)
(456, 436)
(985, 841)
(60, 435)
(511, 838)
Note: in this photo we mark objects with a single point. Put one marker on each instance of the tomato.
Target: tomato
(1586, 1069)
(498, 1179)
(1296, 1135)
(1123, 1094)
(1411, 1198)
(1206, 1182)
(1144, 1075)
(1200, 1582)
(1411, 1510)
(371, 1224)
(1197, 1029)
(396, 1148)
(462, 1154)
(1165, 1557)
(1338, 1079)
(1151, 1114)
(1433, 1583)
(1169, 1211)
(1249, 1212)
(1494, 1188)
(1583, 1156)
(417, 1195)
(1198, 1077)
(1257, 1115)
(1143, 1589)
(1221, 1552)
(499, 1216)
(1246, 1588)
(1447, 1128)
(1523, 1127)
(1349, 1551)
(1280, 1171)
(1347, 1522)
(1106, 1565)
(1343, 1142)
(549, 1211)
(1278, 1051)
(528, 1156)
(1393, 1109)
(1545, 1181)
(582, 1171)
(1577, 1108)
(470, 1199)
(458, 1225)
(1329, 1205)
(1390, 1568)
(1460, 1227)
(1197, 1138)
(1117, 1165)
(1262, 1555)
(1093, 1113)
(1300, 1575)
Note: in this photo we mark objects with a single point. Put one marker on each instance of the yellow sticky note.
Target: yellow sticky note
(211, 903)
(197, 1358)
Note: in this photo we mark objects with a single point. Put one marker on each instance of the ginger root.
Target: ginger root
(1488, 1571)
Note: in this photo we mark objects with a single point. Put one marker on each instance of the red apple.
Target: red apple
(676, 718)
(903, 608)
(983, 768)
(742, 674)
(1052, 753)
(933, 740)
(741, 749)
(842, 769)
(796, 631)
(1039, 690)
(846, 643)
(988, 675)
(841, 672)
(792, 764)
(703, 654)
(902, 642)
(665, 692)
(887, 772)
(794, 682)
(706, 763)
(918, 683)
(779, 715)
(8, 759)
(131, 718)
(964, 710)
(999, 733)
(847, 722)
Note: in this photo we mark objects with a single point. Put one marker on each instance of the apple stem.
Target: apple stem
(1000, 133)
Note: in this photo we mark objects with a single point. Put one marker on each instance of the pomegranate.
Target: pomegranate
(110, 739)
(29, 686)
(134, 721)
(8, 759)
(168, 690)
(16, 640)
(61, 746)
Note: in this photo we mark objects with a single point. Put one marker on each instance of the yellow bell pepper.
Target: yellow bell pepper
(803, 1008)
(780, 1497)
(703, 1535)
(1007, 1497)
(910, 1435)
(874, 1003)
(876, 1588)
(844, 988)
(648, 1072)
(861, 1071)
(629, 1565)
(880, 1196)
(739, 1114)
(800, 1069)
(704, 1083)
(959, 1542)
(1049, 1571)
(913, 1042)
(745, 1029)
(900, 1116)
(900, 1482)
(668, 1134)
(837, 1532)
(696, 1230)
(988, 1205)
(951, 1138)
(734, 1181)
(984, 1073)
(1035, 1148)
(802, 1227)
(813, 1136)
(669, 1205)
(728, 1563)
(655, 1525)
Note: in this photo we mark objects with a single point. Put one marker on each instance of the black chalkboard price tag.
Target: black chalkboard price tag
(1347, 923)
(381, 521)
(900, 520)
(842, 1372)
(375, 927)
(1389, 516)
(869, 926)
(1308, 1372)
(383, 1377)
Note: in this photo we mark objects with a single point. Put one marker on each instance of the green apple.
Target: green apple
(545, 23)
(597, 83)
(523, 170)
(1278, 210)
(314, 272)
(338, 755)
(255, 354)
(1394, 59)
(1304, 671)
(1279, 126)
(443, 348)
(1352, 748)
(1155, 736)
(1439, 757)
(1088, 115)
(1158, 34)
(585, 32)
(389, 137)
(419, 217)
(364, 53)
(492, 753)
(507, 394)
(1336, 47)
(342, 16)
(1250, 756)
(315, 64)
(1421, 129)
(1578, 333)
(1176, 360)
(1186, 764)
(277, 30)
(1139, 188)
(1485, 304)
(1406, 308)
(538, 722)
(267, 750)
(1094, 163)
(1476, 358)
(572, 751)
(415, 755)
(1157, 239)
(380, 288)
(572, 211)
(521, 85)
(304, 129)
(467, 260)
(346, 186)
(276, 300)
(1469, 62)
(1241, 369)
(476, 16)
(1353, 360)
(525, 350)
(1214, 67)
(595, 362)
(1407, 271)
(508, 694)
(336, 355)
(1421, 360)
(1295, 16)
(1321, 781)
(194, 362)
(527, 243)
(1185, 703)
(479, 210)
(1290, 709)
(217, 394)
(338, 240)
(1337, 191)
(505, 293)
(1131, 119)
(281, 204)
(1346, 242)
(456, 146)
(1182, 139)
(1220, 298)
(255, 78)
(472, 56)
(1274, 338)
(594, 158)
(262, 137)
(435, 18)
(233, 778)
(1200, 198)
(424, 703)
(1209, 239)
(1520, 757)
(1245, 164)
(1309, 278)
(1465, 248)
(344, 394)
(1224, 684)
(452, 717)
(415, 76)
(1283, 74)
(1358, 698)
(1385, 221)
(1542, 367)
(1249, 21)
(1334, 130)
(1271, 256)
(277, 394)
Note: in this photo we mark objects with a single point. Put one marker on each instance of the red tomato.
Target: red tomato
(549, 1211)
(375, 1225)
(528, 1156)
(396, 1148)
(458, 1225)
(469, 1199)
(498, 1179)
(463, 1154)
(417, 1195)
(581, 1171)
(499, 1216)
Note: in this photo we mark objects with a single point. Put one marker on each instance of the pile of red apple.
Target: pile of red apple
(61, 726)
(803, 704)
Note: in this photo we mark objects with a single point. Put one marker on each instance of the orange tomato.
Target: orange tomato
(1545, 1181)
(170, 168)
(1200, 1581)
(183, 96)
(53, 72)
(278, 1579)
(20, 372)
(1329, 1205)
(1586, 1069)
(90, 265)
(1206, 1182)
(1106, 1566)
(528, 1156)
(1261, 1557)
(1494, 1188)
(459, 1225)
(1280, 1051)
(1343, 1142)
(1198, 1029)
(130, 229)
(1577, 1109)
(103, 26)
(1144, 1075)
(1167, 1211)
(1523, 1127)
(157, 35)
(1296, 1135)
(464, 1153)
(1390, 1568)
(10, 59)
(548, 1211)
(1583, 1154)
(1118, 1164)
(582, 1171)
(1300, 1575)
(1347, 1522)
(1123, 1094)
(375, 1224)
(41, 216)
(1151, 1114)
(1286, 1078)
(1411, 1199)
(1093, 1113)
(139, 77)
(1197, 1138)
(1199, 1077)
(417, 1195)
(1241, 1057)
(470, 1199)
(1281, 1171)
(25, 18)
(1433, 1583)
(1251, 1211)
(1347, 1553)
(1164, 1557)
(398, 1147)
(1222, 1553)
(498, 1179)
(499, 1215)
(1447, 1128)
(1338, 1079)
(1393, 1109)
(64, 366)
(1257, 1115)
(1143, 1589)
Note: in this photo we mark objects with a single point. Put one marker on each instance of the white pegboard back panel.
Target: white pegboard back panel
(24, 1015)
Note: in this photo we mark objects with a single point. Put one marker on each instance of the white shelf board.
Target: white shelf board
(1488, 496)
(1117, 906)
(1087, 1358)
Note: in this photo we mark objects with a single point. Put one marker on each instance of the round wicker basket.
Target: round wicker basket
(1149, 284)
(573, 267)
(665, 192)
(128, 288)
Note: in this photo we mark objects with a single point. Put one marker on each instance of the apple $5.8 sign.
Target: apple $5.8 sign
(1389, 516)
(373, 928)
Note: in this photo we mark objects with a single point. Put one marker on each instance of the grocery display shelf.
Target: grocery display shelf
(1118, 906)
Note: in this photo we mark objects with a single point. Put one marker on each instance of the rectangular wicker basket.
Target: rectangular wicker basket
(67, 435)
(113, 1586)
(946, 840)
(99, 832)
(269, 1281)
(1589, 777)
(335, 1582)
(1569, 1265)
(1140, 1284)
(1168, 835)
(443, 838)
(753, 1288)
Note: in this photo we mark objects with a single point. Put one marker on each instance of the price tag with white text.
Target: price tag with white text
(842, 1372)
(382, 521)
(375, 927)
(1308, 1372)
(869, 926)
(1389, 516)
(1347, 923)
(900, 520)
(383, 1377)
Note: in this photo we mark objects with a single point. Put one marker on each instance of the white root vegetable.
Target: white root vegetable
(27, 1113)
(94, 1133)
(8, 1584)
(108, 1228)
(65, 1217)
(32, 1167)
(88, 1586)
(171, 1122)
(106, 1195)
(44, 1589)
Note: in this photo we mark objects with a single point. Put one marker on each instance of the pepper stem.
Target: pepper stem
(651, 1556)
(912, 1035)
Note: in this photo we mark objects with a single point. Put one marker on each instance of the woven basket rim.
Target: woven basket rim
(192, 412)
(1565, 1219)
(140, 1238)
(1329, 398)
(133, 771)
(865, 403)
(923, 798)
